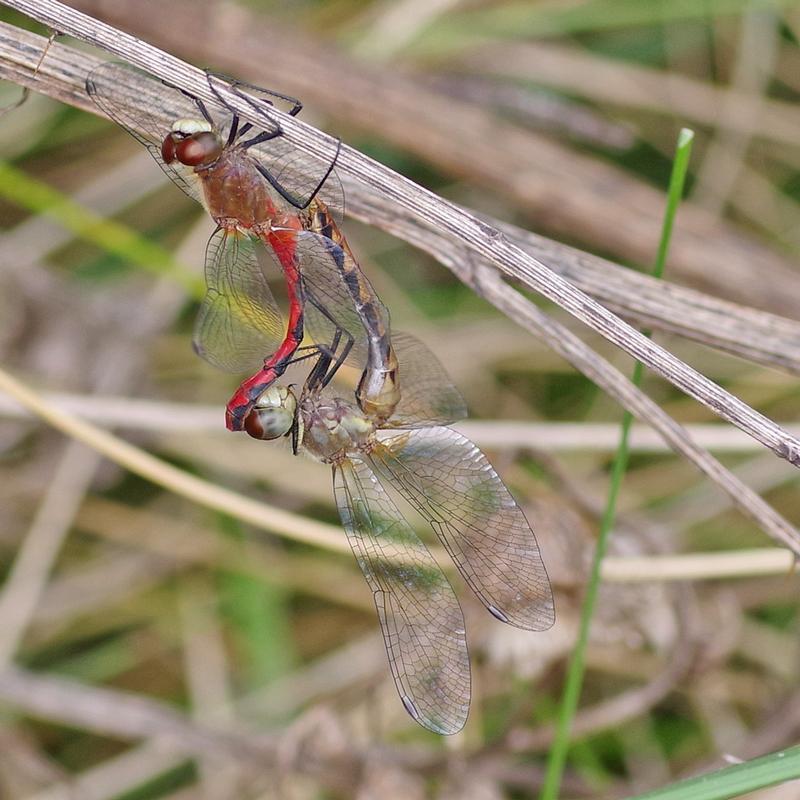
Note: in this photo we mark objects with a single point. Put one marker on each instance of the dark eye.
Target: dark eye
(168, 149)
(268, 423)
(198, 149)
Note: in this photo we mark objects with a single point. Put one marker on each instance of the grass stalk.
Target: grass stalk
(735, 780)
(39, 198)
(569, 702)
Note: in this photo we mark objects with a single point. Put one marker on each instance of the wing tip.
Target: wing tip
(538, 615)
(438, 724)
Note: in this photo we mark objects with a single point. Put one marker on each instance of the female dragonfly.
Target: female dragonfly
(442, 475)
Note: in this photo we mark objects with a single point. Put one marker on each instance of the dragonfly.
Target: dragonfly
(400, 441)
(452, 485)
(264, 199)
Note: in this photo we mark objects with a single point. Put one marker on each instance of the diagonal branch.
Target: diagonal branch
(464, 228)
(750, 333)
(374, 204)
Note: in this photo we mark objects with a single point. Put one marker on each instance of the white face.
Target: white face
(188, 127)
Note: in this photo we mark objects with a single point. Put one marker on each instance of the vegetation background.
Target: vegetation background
(151, 648)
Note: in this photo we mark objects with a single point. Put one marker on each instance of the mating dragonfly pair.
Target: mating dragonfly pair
(268, 201)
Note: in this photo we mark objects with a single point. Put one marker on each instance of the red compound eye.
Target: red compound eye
(266, 423)
(168, 149)
(198, 149)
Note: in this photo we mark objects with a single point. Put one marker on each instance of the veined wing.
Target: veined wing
(141, 104)
(301, 173)
(337, 283)
(239, 323)
(449, 481)
(420, 617)
(427, 395)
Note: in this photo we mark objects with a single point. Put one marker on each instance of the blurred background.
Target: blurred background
(163, 650)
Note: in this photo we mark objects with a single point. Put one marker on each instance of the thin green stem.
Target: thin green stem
(20, 188)
(575, 671)
(734, 781)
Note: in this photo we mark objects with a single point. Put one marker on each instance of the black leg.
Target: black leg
(235, 85)
(232, 133)
(290, 197)
(201, 106)
(327, 367)
(338, 363)
(265, 136)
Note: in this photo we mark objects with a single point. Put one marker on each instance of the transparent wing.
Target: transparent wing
(449, 481)
(427, 395)
(420, 617)
(301, 173)
(239, 324)
(146, 108)
(337, 283)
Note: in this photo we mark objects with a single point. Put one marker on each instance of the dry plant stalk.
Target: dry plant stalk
(464, 242)
(574, 194)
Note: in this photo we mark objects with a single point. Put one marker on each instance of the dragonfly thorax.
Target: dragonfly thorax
(333, 427)
(192, 142)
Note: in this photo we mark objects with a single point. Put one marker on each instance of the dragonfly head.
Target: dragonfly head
(192, 142)
(274, 414)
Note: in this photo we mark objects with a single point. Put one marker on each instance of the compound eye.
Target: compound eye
(198, 149)
(273, 415)
(268, 423)
(168, 149)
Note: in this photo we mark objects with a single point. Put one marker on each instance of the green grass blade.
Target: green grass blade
(39, 198)
(735, 780)
(258, 613)
(575, 671)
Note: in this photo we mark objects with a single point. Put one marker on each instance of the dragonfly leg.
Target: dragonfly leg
(324, 371)
(338, 363)
(234, 130)
(290, 197)
(235, 85)
(201, 106)
(264, 136)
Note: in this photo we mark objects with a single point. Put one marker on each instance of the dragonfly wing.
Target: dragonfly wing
(239, 324)
(333, 279)
(427, 395)
(141, 104)
(300, 173)
(449, 481)
(420, 617)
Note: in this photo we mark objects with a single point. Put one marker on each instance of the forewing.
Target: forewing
(239, 324)
(146, 108)
(449, 481)
(333, 279)
(420, 617)
(427, 395)
(336, 281)
(301, 173)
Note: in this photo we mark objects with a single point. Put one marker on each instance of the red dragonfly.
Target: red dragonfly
(263, 197)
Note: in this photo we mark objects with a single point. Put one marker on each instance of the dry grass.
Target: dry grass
(159, 649)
